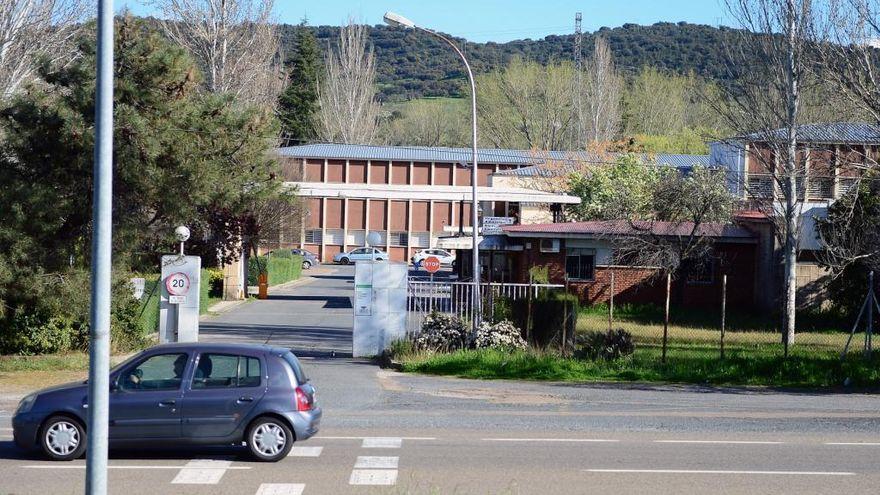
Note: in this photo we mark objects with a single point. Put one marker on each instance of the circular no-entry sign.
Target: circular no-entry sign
(431, 264)
(177, 284)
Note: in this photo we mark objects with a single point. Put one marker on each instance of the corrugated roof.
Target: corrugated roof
(464, 155)
(682, 162)
(624, 227)
(834, 132)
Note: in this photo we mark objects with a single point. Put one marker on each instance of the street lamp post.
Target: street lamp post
(393, 19)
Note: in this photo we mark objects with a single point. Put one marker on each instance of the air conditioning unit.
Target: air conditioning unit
(549, 245)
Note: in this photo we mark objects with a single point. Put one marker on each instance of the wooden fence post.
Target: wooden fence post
(611, 305)
(723, 310)
(666, 317)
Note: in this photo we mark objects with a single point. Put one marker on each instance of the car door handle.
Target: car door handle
(167, 403)
(245, 399)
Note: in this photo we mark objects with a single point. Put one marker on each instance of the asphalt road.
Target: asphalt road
(385, 432)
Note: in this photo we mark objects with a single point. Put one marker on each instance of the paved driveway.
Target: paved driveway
(312, 316)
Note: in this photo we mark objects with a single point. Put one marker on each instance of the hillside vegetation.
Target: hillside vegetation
(411, 64)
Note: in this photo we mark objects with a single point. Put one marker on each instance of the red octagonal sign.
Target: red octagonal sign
(431, 264)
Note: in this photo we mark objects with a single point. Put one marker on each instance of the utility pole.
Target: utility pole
(102, 206)
(578, 70)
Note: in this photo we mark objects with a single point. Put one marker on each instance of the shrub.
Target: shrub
(549, 312)
(501, 335)
(609, 345)
(30, 334)
(214, 279)
(442, 332)
(280, 269)
(502, 309)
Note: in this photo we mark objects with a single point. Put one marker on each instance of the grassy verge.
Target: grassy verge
(753, 367)
(19, 374)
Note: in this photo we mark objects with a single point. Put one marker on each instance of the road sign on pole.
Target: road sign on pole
(431, 264)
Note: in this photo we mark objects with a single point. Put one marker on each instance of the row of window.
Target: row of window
(316, 236)
(165, 372)
(580, 264)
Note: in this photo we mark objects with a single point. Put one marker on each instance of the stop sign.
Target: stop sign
(431, 264)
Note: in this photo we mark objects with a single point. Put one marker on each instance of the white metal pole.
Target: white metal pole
(99, 348)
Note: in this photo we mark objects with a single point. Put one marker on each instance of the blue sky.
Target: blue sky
(496, 20)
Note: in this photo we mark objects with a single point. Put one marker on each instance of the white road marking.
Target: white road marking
(863, 444)
(714, 471)
(731, 442)
(281, 489)
(385, 477)
(6, 429)
(305, 451)
(376, 462)
(202, 472)
(587, 440)
(361, 438)
(82, 466)
(382, 443)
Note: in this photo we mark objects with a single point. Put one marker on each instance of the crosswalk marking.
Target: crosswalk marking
(376, 462)
(281, 489)
(382, 443)
(202, 472)
(305, 451)
(384, 477)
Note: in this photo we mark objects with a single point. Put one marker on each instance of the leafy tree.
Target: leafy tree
(616, 191)
(430, 122)
(179, 156)
(298, 104)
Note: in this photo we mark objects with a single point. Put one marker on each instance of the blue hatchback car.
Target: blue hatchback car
(202, 394)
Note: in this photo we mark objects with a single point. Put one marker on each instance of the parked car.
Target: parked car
(361, 254)
(445, 257)
(310, 259)
(174, 394)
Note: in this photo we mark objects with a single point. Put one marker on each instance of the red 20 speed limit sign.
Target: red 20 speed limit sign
(177, 284)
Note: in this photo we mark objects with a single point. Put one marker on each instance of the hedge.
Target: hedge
(281, 269)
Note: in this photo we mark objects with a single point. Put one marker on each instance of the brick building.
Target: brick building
(583, 253)
(411, 196)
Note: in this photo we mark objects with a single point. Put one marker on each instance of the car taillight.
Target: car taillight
(303, 401)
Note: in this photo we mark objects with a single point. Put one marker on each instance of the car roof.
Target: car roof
(220, 347)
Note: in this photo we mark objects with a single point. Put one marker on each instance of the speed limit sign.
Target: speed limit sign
(177, 284)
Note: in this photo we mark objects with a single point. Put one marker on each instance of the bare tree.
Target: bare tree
(349, 111)
(602, 93)
(33, 29)
(770, 62)
(234, 41)
(851, 58)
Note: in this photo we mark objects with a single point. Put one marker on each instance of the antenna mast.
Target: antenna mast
(578, 70)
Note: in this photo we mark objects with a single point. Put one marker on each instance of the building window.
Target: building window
(314, 236)
(399, 239)
(580, 264)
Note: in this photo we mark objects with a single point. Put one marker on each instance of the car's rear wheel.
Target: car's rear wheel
(345, 261)
(269, 439)
(63, 438)
(307, 265)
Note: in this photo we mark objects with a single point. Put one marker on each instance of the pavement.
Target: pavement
(391, 433)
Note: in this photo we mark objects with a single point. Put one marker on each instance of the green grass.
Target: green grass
(762, 367)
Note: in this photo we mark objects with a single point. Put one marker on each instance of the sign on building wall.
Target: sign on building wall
(492, 225)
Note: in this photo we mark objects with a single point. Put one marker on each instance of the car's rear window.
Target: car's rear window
(297, 369)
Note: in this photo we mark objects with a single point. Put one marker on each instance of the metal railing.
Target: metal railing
(455, 297)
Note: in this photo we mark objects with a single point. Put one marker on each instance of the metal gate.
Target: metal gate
(455, 298)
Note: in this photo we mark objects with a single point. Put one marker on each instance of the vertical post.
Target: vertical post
(529, 312)
(869, 332)
(565, 317)
(666, 317)
(611, 305)
(723, 310)
(99, 317)
(431, 298)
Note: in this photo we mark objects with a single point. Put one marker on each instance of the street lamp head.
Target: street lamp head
(393, 19)
(181, 233)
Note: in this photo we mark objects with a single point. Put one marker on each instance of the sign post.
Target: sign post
(179, 303)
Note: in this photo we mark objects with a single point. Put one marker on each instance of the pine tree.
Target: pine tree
(298, 104)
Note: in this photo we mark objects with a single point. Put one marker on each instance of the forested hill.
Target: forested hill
(411, 64)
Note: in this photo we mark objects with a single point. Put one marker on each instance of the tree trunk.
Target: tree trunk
(791, 199)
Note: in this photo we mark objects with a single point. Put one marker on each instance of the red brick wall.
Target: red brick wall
(443, 174)
(335, 171)
(356, 213)
(357, 172)
(379, 172)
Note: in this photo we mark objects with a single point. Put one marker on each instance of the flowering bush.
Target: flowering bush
(442, 332)
(501, 335)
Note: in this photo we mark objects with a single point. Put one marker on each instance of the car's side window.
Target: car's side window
(159, 372)
(226, 371)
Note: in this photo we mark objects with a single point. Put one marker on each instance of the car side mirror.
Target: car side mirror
(114, 384)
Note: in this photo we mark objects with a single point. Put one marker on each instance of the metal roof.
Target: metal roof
(830, 133)
(464, 155)
(625, 227)
(682, 162)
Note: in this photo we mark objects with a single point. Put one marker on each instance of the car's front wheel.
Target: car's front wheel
(63, 438)
(307, 265)
(269, 439)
